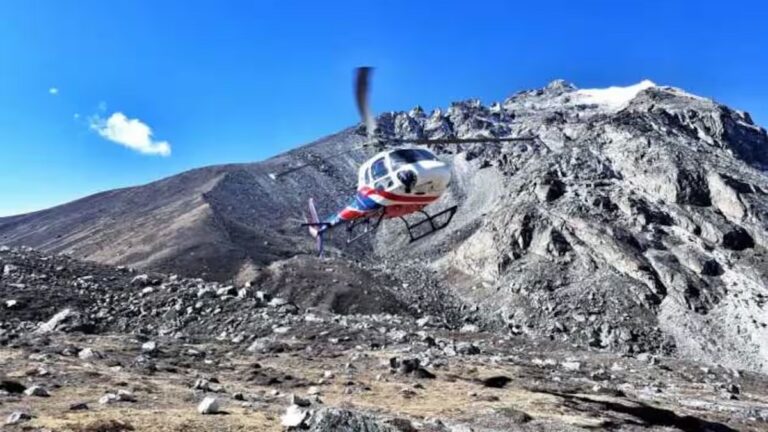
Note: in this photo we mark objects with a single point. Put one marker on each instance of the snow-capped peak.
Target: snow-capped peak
(611, 97)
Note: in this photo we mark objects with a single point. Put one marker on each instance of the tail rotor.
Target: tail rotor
(315, 227)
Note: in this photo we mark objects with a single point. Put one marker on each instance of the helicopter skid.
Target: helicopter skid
(367, 225)
(430, 224)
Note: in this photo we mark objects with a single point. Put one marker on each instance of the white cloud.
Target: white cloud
(131, 133)
(53, 90)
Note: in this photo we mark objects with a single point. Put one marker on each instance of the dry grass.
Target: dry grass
(181, 419)
(439, 398)
(165, 402)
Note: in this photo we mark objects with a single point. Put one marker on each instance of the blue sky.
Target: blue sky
(240, 81)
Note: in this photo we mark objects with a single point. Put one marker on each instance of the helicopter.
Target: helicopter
(394, 183)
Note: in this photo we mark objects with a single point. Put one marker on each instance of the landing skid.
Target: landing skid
(369, 224)
(433, 223)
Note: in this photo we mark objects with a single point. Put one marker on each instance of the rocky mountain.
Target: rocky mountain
(217, 222)
(636, 222)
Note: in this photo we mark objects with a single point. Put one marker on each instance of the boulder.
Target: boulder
(209, 405)
(17, 417)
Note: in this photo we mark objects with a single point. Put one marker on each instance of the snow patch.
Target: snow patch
(611, 97)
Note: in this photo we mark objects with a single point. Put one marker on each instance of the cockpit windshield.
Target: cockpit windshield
(408, 156)
(379, 169)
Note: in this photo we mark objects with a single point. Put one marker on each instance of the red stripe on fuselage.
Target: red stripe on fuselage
(394, 211)
(350, 213)
(367, 191)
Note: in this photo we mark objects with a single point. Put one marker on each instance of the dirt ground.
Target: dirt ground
(539, 395)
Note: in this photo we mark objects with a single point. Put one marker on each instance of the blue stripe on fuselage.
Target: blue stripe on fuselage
(361, 203)
(364, 203)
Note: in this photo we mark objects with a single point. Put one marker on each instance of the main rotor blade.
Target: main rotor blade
(459, 140)
(318, 162)
(422, 141)
(362, 85)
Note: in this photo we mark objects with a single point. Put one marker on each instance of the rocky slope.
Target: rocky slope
(637, 222)
(87, 347)
(218, 222)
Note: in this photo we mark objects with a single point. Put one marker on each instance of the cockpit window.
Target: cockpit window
(408, 156)
(379, 169)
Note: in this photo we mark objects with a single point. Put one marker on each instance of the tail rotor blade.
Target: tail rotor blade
(362, 87)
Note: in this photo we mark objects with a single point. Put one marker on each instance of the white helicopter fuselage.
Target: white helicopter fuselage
(403, 180)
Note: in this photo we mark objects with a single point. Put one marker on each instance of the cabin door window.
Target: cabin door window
(380, 174)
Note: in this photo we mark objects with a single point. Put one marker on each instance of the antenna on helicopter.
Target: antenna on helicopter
(362, 87)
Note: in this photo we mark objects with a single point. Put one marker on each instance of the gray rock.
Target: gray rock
(399, 336)
(202, 384)
(515, 415)
(339, 420)
(79, 406)
(277, 302)
(55, 321)
(294, 417)
(17, 417)
(424, 321)
(108, 399)
(12, 387)
(141, 280)
(206, 292)
(37, 390)
(149, 347)
(467, 348)
(89, 354)
(229, 290)
(125, 396)
(299, 401)
(8, 269)
(209, 405)
(571, 365)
